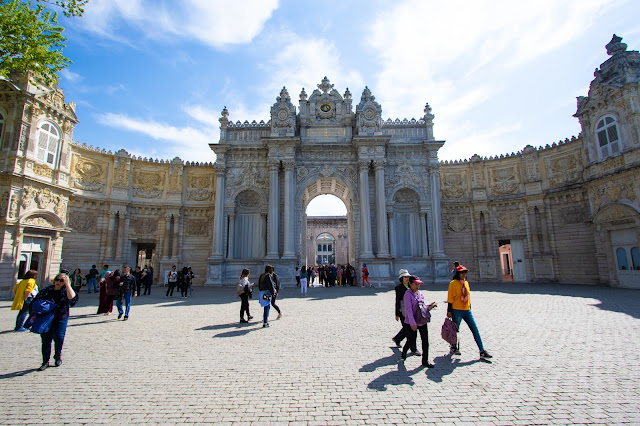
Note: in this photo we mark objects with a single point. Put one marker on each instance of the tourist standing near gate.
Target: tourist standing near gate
(112, 281)
(189, 277)
(137, 274)
(126, 287)
(459, 308)
(172, 279)
(106, 303)
(303, 279)
(276, 285)
(266, 287)
(244, 292)
(76, 280)
(147, 276)
(183, 280)
(400, 289)
(24, 292)
(297, 274)
(62, 295)
(417, 316)
(92, 279)
(365, 274)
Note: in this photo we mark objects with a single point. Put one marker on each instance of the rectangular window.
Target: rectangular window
(329, 247)
(319, 247)
(602, 138)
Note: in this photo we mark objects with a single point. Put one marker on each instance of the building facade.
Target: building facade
(566, 212)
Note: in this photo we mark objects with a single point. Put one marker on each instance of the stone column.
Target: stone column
(438, 239)
(111, 226)
(533, 221)
(477, 216)
(392, 230)
(166, 248)
(218, 217)
(423, 226)
(381, 212)
(289, 205)
(120, 238)
(126, 246)
(365, 214)
(232, 224)
(176, 235)
(272, 237)
(545, 231)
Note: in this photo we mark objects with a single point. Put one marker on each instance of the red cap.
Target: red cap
(414, 279)
(462, 268)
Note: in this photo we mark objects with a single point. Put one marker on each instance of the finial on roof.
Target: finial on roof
(615, 46)
(225, 112)
(303, 95)
(325, 86)
(347, 94)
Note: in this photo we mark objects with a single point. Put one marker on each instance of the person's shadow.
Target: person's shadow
(17, 374)
(445, 365)
(401, 376)
(388, 360)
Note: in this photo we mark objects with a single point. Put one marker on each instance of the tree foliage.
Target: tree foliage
(32, 39)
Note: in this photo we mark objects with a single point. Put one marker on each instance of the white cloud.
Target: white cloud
(70, 76)
(188, 143)
(216, 23)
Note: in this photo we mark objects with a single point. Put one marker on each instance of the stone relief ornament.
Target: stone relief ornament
(88, 175)
(83, 222)
(13, 206)
(42, 170)
(4, 204)
(453, 185)
(240, 179)
(60, 208)
(148, 184)
(38, 221)
(121, 175)
(197, 227)
(175, 179)
(533, 170)
(199, 194)
(408, 196)
(247, 199)
(563, 170)
(283, 115)
(573, 215)
(200, 181)
(144, 226)
(368, 114)
(458, 223)
(504, 181)
(509, 220)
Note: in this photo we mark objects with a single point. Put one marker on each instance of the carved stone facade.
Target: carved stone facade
(569, 212)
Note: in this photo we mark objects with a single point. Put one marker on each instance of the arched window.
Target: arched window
(48, 139)
(623, 262)
(635, 258)
(608, 137)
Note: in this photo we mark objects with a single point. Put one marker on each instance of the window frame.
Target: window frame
(55, 152)
(603, 128)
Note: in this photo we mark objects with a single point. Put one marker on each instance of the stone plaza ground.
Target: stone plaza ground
(563, 354)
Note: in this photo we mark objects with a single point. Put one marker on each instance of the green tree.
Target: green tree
(31, 38)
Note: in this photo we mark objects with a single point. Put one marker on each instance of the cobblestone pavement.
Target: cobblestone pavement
(563, 354)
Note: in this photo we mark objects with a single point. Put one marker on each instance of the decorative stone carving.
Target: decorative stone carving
(503, 180)
(88, 175)
(200, 181)
(38, 221)
(509, 220)
(42, 170)
(4, 204)
(368, 114)
(197, 227)
(573, 215)
(143, 226)
(199, 194)
(240, 179)
(453, 185)
(83, 222)
(563, 170)
(406, 196)
(247, 199)
(121, 175)
(175, 178)
(458, 223)
(147, 184)
(13, 206)
(60, 208)
(533, 170)
(283, 115)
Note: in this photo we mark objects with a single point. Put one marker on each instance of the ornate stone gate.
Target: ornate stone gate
(386, 173)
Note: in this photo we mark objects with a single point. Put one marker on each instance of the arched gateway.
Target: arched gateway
(386, 173)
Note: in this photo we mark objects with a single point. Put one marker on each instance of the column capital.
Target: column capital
(379, 164)
(288, 164)
(363, 165)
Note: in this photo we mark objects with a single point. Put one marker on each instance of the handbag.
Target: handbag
(422, 314)
(41, 318)
(450, 331)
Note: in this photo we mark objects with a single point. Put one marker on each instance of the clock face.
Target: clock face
(325, 107)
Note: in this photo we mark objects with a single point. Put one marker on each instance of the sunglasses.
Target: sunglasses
(59, 280)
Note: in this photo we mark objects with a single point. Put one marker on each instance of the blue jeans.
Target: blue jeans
(467, 316)
(95, 287)
(266, 313)
(127, 301)
(22, 315)
(55, 333)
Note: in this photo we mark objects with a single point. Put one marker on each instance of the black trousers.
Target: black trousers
(172, 286)
(244, 306)
(412, 337)
(403, 331)
(273, 303)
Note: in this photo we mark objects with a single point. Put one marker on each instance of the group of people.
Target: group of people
(268, 287)
(414, 313)
(181, 279)
(331, 275)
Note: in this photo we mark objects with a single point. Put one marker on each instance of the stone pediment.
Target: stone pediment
(326, 115)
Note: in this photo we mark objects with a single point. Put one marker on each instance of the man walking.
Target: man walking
(91, 279)
(172, 279)
(126, 286)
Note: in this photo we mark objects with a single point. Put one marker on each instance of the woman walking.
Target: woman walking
(401, 289)
(417, 316)
(276, 286)
(61, 293)
(244, 293)
(24, 292)
(111, 281)
(365, 275)
(303, 280)
(266, 287)
(459, 308)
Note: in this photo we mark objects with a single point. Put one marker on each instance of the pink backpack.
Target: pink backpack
(450, 331)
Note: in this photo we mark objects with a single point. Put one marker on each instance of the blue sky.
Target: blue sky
(151, 76)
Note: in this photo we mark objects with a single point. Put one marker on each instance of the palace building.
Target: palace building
(566, 212)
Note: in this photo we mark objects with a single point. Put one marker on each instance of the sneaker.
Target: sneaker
(485, 354)
(43, 366)
(58, 362)
(265, 325)
(126, 318)
(243, 320)
(21, 329)
(120, 316)
(455, 350)
(250, 317)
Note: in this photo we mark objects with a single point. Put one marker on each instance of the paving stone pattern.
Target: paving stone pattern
(563, 354)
